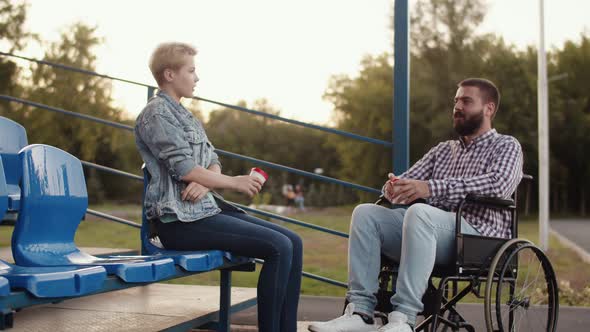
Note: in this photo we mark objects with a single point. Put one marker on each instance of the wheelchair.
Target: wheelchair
(514, 278)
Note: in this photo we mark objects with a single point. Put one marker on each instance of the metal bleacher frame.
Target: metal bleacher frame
(400, 161)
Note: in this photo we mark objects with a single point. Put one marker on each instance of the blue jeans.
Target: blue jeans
(417, 237)
(241, 234)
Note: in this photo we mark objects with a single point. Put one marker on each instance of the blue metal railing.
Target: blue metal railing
(139, 178)
(401, 87)
(219, 151)
(151, 88)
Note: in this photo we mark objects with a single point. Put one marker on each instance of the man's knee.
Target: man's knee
(362, 215)
(416, 218)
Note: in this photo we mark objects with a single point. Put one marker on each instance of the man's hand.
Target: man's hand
(405, 191)
(194, 192)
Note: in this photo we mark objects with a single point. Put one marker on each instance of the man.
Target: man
(481, 161)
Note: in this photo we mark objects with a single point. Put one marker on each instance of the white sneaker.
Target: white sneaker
(398, 322)
(345, 323)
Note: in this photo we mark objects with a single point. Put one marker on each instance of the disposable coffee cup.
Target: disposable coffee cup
(392, 181)
(257, 172)
(395, 178)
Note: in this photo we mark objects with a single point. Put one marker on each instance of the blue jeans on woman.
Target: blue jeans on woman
(244, 235)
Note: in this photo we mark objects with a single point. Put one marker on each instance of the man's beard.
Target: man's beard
(470, 123)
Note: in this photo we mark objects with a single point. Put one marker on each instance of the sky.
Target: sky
(283, 51)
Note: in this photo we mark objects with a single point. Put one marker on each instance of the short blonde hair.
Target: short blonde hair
(169, 56)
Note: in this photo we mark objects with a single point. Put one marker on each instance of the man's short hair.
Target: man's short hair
(169, 56)
(489, 91)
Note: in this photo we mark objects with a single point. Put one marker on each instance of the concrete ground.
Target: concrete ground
(574, 233)
(320, 308)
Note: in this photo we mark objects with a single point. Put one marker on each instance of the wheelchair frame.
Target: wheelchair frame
(478, 259)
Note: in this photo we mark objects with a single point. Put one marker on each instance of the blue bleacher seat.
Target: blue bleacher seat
(3, 191)
(193, 261)
(53, 281)
(13, 137)
(4, 287)
(53, 202)
(46, 281)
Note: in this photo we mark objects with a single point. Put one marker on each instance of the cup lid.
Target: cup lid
(261, 172)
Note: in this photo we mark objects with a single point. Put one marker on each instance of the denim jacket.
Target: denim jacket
(172, 142)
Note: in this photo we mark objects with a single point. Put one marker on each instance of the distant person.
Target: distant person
(179, 199)
(289, 194)
(481, 161)
(299, 198)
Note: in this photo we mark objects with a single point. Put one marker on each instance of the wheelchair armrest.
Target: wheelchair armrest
(384, 202)
(487, 201)
(493, 202)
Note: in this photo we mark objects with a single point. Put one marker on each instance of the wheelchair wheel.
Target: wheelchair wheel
(525, 296)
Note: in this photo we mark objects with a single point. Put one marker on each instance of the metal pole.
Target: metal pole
(543, 134)
(150, 92)
(225, 301)
(401, 87)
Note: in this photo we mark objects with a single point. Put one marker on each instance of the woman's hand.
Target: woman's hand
(247, 184)
(194, 192)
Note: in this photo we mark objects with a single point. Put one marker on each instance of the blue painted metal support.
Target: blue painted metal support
(291, 220)
(224, 301)
(299, 123)
(150, 92)
(112, 218)
(315, 277)
(111, 170)
(401, 87)
(246, 208)
(400, 145)
(299, 172)
(152, 88)
(219, 151)
(62, 111)
(209, 321)
(22, 299)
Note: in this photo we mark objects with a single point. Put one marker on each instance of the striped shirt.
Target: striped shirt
(490, 165)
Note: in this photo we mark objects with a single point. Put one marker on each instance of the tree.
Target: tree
(442, 53)
(569, 122)
(84, 94)
(444, 50)
(269, 140)
(363, 105)
(14, 36)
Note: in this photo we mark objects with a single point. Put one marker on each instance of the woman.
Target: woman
(179, 198)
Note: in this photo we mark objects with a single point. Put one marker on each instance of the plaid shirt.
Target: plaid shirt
(490, 165)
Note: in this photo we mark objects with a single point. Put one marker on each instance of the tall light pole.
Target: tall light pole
(401, 87)
(543, 131)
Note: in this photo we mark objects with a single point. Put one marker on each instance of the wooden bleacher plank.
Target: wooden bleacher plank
(149, 308)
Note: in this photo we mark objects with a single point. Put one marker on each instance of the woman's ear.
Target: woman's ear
(168, 75)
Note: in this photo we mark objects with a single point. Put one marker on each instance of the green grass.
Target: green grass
(324, 254)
